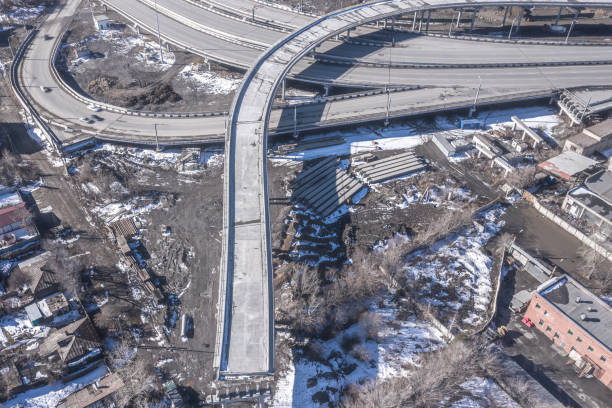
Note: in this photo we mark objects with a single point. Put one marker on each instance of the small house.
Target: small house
(31, 277)
(101, 21)
(34, 315)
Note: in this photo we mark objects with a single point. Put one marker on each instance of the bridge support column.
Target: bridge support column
(137, 29)
(558, 15)
(505, 16)
(295, 132)
(283, 90)
(348, 34)
(474, 15)
(518, 25)
(421, 20)
(386, 23)
(326, 87)
(105, 8)
(428, 19)
(414, 21)
(392, 23)
(458, 18)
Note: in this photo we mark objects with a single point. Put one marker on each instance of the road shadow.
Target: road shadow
(17, 138)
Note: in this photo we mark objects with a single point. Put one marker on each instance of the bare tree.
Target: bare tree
(136, 372)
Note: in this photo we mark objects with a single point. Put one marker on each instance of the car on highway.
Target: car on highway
(45, 89)
(86, 119)
(93, 107)
(96, 117)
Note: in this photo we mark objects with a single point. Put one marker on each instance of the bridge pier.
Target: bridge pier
(558, 16)
(505, 16)
(458, 18)
(326, 87)
(518, 25)
(474, 15)
(428, 19)
(283, 90)
(421, 20)
(414, 20)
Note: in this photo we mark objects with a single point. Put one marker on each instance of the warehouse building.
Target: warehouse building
(576, 320)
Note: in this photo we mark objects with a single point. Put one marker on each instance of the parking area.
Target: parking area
(547, 363)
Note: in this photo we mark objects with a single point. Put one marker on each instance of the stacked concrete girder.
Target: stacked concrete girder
(390, 167)
(245, 335)
(324, 187)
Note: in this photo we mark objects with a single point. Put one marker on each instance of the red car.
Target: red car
(527, 322)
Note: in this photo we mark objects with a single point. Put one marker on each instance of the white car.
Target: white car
(86, 119)
(94, 108)
(44, 89)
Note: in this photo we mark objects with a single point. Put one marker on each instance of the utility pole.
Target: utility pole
(156, 138)
(388, 107)
(161, 51)
(476, 98)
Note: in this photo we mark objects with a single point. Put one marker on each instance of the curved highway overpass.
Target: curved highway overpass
(245, 334)
(64, 111)
(232, 42)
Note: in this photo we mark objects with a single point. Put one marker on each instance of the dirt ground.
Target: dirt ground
(133, 83)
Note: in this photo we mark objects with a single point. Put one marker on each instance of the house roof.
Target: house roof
(602, 129)
(9, 375)
(9, 197)
(601, 184)
(124, 227)
(596, 194)
(563, 293)
(567, 164)
(51, 304)
(93, 392)
(32, 273)
(71, 341)
(11, 215)
(33, 312)
(101, 17)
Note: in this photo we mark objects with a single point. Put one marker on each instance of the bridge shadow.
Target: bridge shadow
(312, 232)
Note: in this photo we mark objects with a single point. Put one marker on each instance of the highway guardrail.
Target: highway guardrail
(206, 29)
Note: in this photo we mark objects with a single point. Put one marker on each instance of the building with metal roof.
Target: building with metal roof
(567, 165)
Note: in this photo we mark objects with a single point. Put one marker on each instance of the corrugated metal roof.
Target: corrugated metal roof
(567, 164)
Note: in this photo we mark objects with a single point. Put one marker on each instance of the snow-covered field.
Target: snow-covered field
(20, 15)
(482, 393)
(148, 53)
(454, 273)
(208, 81)
(400, 342)
(17, 326)
(409, 135)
